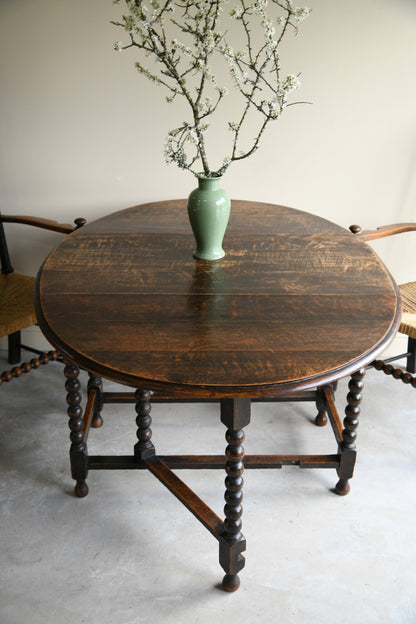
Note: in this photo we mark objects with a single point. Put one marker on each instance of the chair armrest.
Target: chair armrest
(46, 224)
(382, 231)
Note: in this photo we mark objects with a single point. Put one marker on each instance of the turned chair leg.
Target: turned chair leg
(411, 358)
(14, 347)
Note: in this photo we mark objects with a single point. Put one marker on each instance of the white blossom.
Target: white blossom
(193, 137)
(301, 13)
(290, 83)
(209, 41)
(129, 22)
(183, 57)
(237, 12)
(205, 106)
(259, 6)
(269, 29)
(241, 55)
(271, 47)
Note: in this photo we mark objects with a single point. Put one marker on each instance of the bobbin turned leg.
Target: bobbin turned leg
(78, 451)
(347, 447)
(144, 447)
(235, 414)
(96, 383)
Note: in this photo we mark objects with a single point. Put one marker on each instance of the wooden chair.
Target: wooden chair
(408, 293)
(17, 309)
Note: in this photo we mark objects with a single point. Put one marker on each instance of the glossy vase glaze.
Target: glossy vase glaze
(209, 211)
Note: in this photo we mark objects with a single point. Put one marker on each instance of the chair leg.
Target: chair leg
(411, 358)
(14, 347)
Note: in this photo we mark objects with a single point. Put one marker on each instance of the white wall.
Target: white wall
(81, 133)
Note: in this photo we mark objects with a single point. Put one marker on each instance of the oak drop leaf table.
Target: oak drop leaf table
(296, 304)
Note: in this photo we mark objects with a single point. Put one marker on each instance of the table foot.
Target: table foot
(342, 488)
(230, 582)
(97, 421)
(81, 489)
(321, 419)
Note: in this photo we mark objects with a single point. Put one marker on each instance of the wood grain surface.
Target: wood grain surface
(297, 301)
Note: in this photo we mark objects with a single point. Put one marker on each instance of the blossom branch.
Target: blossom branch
(182, 64)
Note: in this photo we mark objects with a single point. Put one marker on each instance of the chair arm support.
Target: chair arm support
(46, 224)
(382, 231)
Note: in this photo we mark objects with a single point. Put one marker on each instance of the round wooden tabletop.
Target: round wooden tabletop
(296, 302)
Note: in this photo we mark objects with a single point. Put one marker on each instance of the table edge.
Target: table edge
(177, 390)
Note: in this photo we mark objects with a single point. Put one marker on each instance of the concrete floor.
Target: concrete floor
(129, 552)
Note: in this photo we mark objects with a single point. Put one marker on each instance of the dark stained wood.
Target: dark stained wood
(235, 414)
(347, 446)
(78, 450)
(382, 231)
(204, 462)
(410, 355)
(89, 412)
(397, 373)
(27, 367)
(163, 397)
(16, 299)
(297, 301)
(321, 418)
(144, 447)
(329, 404)
(188, 498)
(45, 224)
(95, 386)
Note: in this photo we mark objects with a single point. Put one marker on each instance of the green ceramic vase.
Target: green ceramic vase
(209, 211)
